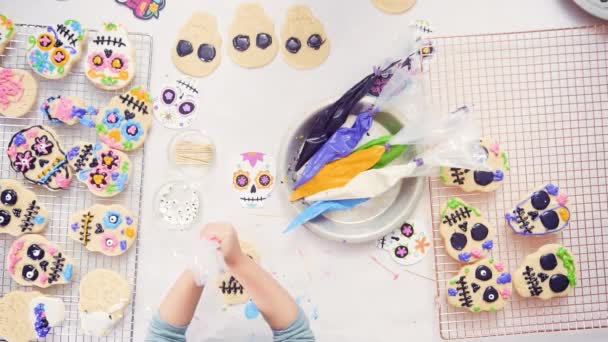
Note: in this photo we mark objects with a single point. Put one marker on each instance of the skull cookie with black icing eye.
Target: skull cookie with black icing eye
(54, 50)
(304, 42)
(36, 153)
(542, 212)
(253, 38)
(28, 316)
(232, 291)
(110, 63)
(467, 235)
(547, 273)
(177, 104)
(124, 123)
(479, 180)
(198, 45)
(482, 286)
(20, 210)
(35, 261)
(253, 178)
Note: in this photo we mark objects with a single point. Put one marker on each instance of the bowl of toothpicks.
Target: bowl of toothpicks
(192, 153)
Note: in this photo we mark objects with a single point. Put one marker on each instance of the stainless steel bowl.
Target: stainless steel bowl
(370, 220)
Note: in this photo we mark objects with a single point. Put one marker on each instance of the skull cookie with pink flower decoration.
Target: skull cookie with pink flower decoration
(253, 178)
(110, 230)
(105, 171)
(36, 153)
(110, 63)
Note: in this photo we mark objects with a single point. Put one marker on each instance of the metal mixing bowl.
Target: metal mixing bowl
(370, 220)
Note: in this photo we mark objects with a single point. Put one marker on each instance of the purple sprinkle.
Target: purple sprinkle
(73, 152)
(504, 278)
(488, 245)
(129, 220)
(387, 146)
(19, 139)
(419, 162)
(552, 189)
(115, 175)
(123, 245)
(452, 292)
(464, 256)
(74, 226)
(498, 176)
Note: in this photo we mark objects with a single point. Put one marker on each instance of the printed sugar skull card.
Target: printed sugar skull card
(110, 63)
(253, 178)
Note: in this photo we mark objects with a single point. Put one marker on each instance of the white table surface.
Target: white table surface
(247, 110)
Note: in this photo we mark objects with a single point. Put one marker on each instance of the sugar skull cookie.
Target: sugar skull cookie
(485, 181)
(406, 245)
(482, 286)
(68, 110)
(105, 171)
(547, 273)
(232, 291)
(198, 46)
(177, 104)
(253, 179)
(467, 235)
(110, 63)
(36, 153)
(35, 261)
(304, 42)
(27, 316)
(18, 92)
(542, 212)
(20, 210)
(124, 123)
(253, 38)
(110, 230)
(104, 295)
(54, 50)
(7, 31)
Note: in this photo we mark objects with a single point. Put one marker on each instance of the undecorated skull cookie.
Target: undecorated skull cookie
(482, 286)
(54, 50)
(542, 212)
(232, 291)
(253, 178)
(68, 110)
(406, 245)
(105, 171)
(547, 273)
(177, 104)
(104, 295)
(110, 63)
(35, 261)
(27, 316)
(393, 6)
(305, 43)
(486, 181)
(20, 210)
(467, 235)
(198, 45)
(18, 92)
(110, 230)
(36, 153)
(253, 39)
(7, 31)
(124, 123)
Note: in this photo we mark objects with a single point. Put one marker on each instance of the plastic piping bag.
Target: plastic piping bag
(318, 208)
(392, 151)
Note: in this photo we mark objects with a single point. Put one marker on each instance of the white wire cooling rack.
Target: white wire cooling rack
(62, 204)
(544, 95)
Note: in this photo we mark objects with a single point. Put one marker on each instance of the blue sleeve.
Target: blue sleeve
(161, 331)
(298, 331)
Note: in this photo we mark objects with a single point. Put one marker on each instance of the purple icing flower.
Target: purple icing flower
(464, 256)
(115, 175)
(452, 292)
(129, 220)
(488, 245)
(74, 226)
(19, 139)
(552, 189)
(73, 152)
(498, 176)
(504, 278)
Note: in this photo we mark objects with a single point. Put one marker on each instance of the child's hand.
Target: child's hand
(227, 238)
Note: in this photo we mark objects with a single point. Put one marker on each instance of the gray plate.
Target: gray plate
(370, 220)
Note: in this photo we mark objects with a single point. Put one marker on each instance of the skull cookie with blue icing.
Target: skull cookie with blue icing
(110, 63)
(467, 235)
(177, 104)
(542, 212)
(20, 210)
(253, 178)
(28, 316)
(482, 286)
(54, 50)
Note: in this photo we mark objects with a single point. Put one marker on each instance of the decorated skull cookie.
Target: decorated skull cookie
(110, 230)
(27, 316)
(253, 40)
(20, 210)
(232, 291)
(68, 110)
(18, 92)
(110, 60)
(469, 180)
(467, 235)
(542, 212)
(104, 295)
(124, 123)
(547, 273)
(482, 286)
(305, 43)
(35, 261)
(177, 104)
(7, 31)
(405, 245)
(105, 171)
(54, 50)
(253, 179)
(36, 153)
(198, 45)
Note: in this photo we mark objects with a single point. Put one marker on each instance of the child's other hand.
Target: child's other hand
(227, 238)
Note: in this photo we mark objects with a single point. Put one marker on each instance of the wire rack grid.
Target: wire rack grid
(544, 95)
(62, 204)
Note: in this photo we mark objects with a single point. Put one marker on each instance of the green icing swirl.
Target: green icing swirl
(568, 262)
(505, 161)
(454, 203)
